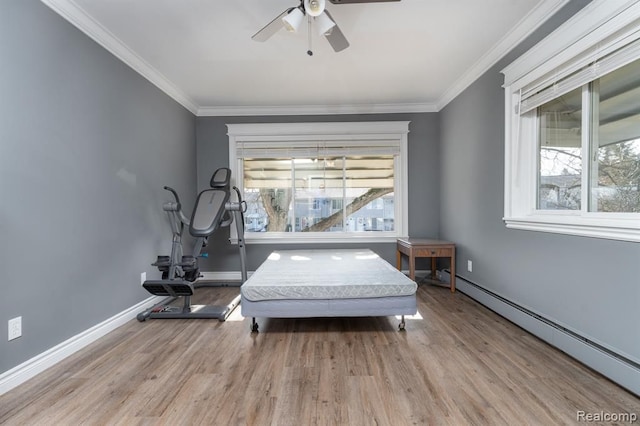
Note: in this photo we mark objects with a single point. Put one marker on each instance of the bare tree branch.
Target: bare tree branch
(352, 207)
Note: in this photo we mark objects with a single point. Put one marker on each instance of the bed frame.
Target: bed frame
(327, 283)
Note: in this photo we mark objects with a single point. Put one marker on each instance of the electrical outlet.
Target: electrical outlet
(15, 328)
(469, 266)
(143, 277)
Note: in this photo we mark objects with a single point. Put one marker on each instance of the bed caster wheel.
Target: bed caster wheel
(401, 326)
(254, 326)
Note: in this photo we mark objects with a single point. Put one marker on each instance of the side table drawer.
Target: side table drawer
(434, 252)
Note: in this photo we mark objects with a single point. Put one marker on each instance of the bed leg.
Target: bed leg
(254, 325)
(401, 325)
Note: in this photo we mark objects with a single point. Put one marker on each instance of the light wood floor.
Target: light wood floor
(459, 364)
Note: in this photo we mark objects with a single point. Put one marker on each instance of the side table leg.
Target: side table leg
(433, 268)
(412, 266)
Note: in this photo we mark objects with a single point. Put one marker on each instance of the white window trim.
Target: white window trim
(597, 29)
(324, 131)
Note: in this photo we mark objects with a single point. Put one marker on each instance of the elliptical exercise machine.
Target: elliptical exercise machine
(180, 272)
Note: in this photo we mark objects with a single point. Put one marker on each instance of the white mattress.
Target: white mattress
(325, 275)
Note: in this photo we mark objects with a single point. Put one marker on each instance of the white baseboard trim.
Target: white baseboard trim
(28, 369)
(616, 367)
(222, 276)
(420, 273)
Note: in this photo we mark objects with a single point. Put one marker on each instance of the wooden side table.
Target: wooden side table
(421, 247)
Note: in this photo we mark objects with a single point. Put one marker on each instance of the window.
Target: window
(317, 182)
(560, 153)
(573, 128)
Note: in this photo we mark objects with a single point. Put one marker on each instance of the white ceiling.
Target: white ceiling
(406, 56)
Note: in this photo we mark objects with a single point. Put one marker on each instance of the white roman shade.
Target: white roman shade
(587, 67)
(316, 149)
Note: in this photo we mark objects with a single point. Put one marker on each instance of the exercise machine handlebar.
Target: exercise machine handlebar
(175, 194)
(175, 207)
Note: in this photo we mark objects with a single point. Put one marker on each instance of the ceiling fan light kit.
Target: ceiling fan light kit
(291, 19)
(314, 7)
(324, 24)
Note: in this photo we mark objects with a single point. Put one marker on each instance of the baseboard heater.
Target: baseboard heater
(618, 368)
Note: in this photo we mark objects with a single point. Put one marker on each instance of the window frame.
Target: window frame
(595, 31)
(360, 132)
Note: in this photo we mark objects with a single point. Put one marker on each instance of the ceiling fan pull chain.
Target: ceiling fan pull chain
(309, 52)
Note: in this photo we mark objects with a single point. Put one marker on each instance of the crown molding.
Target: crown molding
(78, 17)
(315, 109)
(524, 28)
(69, 10)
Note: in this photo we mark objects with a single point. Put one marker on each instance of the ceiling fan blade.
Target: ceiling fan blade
(358, 1)
(337, 40)
(272, 27)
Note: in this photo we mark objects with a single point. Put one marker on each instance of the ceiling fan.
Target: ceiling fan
(316, 13)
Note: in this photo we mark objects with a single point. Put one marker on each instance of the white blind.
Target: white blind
(542, 92)
(316, 149)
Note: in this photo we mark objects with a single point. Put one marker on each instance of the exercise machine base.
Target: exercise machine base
(164, 310)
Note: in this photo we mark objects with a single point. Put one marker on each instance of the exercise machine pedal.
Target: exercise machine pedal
(163, 263)
(172, 288)
(188, 263)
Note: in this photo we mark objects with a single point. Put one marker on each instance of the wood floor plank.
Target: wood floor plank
(368, 403)
(457, 363)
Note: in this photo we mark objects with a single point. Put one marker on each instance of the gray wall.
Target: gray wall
(424, 190)
(86, 145)
(588, 285)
